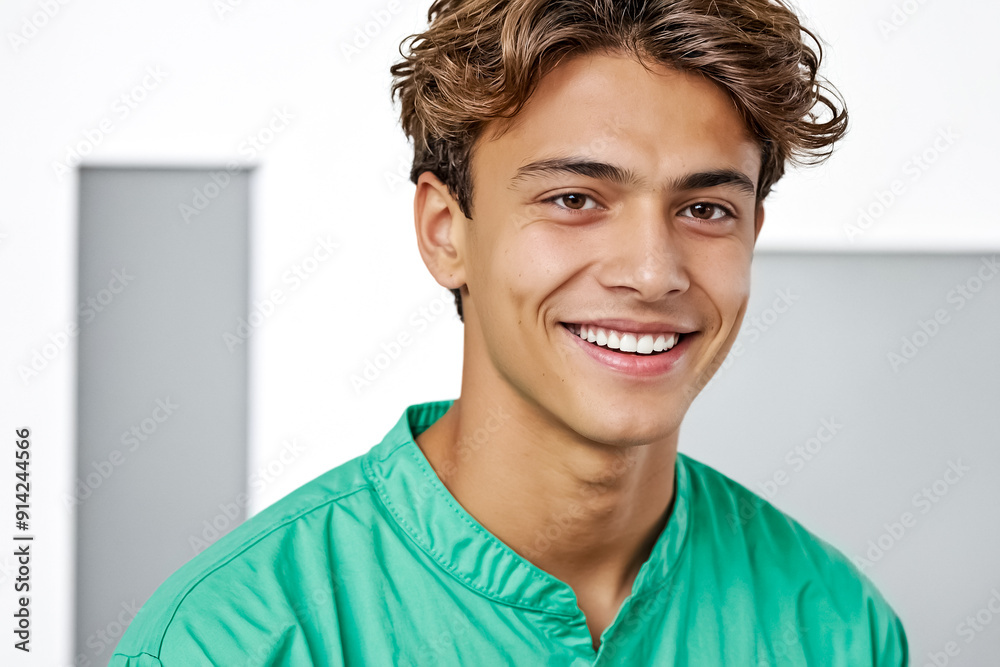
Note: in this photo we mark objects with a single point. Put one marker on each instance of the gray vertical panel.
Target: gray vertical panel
(152, 358)
(827, 356)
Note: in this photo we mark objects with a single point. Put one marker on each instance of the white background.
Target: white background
(339, 170)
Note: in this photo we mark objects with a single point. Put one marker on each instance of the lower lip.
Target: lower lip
(636, 365)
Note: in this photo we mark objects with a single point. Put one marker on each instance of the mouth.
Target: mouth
(625, 342)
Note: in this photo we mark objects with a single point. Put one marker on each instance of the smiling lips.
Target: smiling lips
(625, 341)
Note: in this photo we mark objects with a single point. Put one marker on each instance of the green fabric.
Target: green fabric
(375, 563)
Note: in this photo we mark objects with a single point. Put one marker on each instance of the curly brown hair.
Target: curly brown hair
(480, 60)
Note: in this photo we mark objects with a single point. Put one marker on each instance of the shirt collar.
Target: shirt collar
(426, 511)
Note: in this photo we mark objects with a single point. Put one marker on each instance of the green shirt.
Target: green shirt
(375, 563)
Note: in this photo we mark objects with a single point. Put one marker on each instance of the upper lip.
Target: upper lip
(633, 326)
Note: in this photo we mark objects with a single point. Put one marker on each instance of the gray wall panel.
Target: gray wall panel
(152, 358)
(898, 429)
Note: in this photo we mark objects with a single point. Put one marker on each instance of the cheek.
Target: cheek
(527, 263)
(725, 280)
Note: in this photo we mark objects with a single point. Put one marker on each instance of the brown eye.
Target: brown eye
(703, 211)
(707, 211)
(574, 202)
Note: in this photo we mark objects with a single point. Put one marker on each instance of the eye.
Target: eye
(574, 201)
(707, 211)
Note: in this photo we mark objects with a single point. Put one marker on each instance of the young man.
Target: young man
(590, 182)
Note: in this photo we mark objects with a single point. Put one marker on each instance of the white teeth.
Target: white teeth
(627, 342)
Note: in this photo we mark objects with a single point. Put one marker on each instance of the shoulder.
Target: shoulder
(783, 559)
(258, 578)
(737, 514)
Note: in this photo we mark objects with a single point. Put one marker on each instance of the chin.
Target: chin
(637, 425)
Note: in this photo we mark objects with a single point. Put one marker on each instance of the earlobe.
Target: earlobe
(440, 228)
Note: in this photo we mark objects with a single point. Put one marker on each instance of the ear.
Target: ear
(758, 221)
(440, 227)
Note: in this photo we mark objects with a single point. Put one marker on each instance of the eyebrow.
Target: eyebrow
(620, 175)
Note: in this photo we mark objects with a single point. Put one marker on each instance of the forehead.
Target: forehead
(655, 121)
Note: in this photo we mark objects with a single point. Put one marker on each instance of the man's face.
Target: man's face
(660, 243)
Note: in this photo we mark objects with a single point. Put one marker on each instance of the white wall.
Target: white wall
(337, 171)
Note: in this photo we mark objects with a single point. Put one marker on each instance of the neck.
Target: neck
(588, 513)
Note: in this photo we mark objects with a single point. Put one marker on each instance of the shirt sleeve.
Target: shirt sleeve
(232, 634)
(891, 647)
(141, 660)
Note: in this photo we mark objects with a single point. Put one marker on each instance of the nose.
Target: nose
(645, 254)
